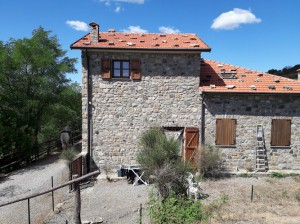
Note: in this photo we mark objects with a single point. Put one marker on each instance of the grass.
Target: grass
(245, 175)
(277, 175)
(276, 200)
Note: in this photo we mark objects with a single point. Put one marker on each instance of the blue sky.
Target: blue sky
(257, 34)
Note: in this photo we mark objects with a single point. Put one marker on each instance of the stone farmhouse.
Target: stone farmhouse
(132, 81)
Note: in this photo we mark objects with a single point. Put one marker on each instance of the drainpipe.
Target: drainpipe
(202, 119)
(89, 107)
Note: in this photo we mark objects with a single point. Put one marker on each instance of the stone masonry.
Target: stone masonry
(250, 110)
(167, 95)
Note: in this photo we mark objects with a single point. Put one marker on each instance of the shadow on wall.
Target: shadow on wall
(252, 105)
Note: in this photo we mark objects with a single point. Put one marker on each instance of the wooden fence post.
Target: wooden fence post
(77, 219)
(28, 210)
(141, 213)
(52, 185)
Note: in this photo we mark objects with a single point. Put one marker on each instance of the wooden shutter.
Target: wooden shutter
(135, 69)
(106, 68)
(281, 132)
(191, 143)
(225, 131)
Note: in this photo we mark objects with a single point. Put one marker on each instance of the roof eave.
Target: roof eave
(245, 92)
(142, 49)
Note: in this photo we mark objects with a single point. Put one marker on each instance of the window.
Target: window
(225, 132)
(281, 132)
(121, 69)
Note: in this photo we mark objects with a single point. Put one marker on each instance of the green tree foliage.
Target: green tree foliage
(36, 98)
(288, 71)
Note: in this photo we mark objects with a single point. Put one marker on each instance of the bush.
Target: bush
(69, 155)
(207, 159)
(159, 160)
(156, 150)
(277, 175)
(297, 195)
(174, 209)
(170, 177)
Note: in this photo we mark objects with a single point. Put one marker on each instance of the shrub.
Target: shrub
(174, 209)
(277, 175)
(156, 150)
(249, 167)
(170, 177)
(207, 159)
(297, 195)
(69, 155)
(159, 160)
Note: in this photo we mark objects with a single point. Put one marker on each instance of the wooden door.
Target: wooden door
(191, 144)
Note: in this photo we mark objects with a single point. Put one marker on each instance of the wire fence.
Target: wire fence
(32, 209)
(17, 159)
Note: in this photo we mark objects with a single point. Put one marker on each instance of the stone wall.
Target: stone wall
(250, 110)
(167, 95)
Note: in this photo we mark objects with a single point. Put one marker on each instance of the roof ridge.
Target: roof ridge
(237, 66)
(266, 73)
(154, 33)
(214, 80)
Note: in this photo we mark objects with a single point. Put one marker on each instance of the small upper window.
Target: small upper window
(121, 69)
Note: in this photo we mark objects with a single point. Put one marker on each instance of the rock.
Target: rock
(97, 220)
(58, 208)
(85, 222)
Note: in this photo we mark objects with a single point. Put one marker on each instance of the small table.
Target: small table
(133, 173)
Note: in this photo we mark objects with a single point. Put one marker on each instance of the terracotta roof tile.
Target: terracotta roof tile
(112, 39)
(220, 77)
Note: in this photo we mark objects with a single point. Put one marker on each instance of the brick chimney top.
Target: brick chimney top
(94, 32)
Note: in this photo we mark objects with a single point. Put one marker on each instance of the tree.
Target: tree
(32, 86)
(287, 71)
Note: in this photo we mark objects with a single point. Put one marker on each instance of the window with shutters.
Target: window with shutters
(225, 132)
(281, 132)
(121, 69)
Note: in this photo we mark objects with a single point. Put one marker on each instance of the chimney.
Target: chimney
(298, 70)
(94, 32)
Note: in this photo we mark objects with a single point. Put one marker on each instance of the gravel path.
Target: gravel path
(114, 202)
(27, 181)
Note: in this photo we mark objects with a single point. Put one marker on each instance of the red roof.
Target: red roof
(147, 41)
(220, 77)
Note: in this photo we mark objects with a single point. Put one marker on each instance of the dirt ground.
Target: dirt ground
(275, 200)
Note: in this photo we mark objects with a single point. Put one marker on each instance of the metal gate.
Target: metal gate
(76, 167)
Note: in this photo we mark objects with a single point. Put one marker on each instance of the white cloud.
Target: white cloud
(166, 29)
(108, 2)
(118, 9)
(233, 19)
(134, 29)
(78, 25)
(118, 3)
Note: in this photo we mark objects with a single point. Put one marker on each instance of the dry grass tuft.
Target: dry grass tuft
(276, 200)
